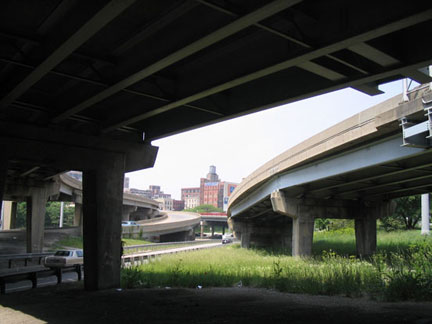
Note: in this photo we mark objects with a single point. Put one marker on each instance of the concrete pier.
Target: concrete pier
(102, 212)
(35, 220)
(302, 236)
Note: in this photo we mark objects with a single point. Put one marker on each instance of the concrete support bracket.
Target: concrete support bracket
(283, 205)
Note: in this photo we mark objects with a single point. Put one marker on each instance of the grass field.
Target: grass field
(401, 269)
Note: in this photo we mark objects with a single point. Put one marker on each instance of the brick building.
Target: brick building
(212, 191)
(178, 204)
(191, 197)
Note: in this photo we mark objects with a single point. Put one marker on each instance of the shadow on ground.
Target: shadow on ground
(71, 304)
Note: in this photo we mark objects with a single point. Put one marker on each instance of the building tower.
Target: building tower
(212, 175)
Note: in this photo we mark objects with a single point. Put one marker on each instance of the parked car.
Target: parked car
(129, 223)
(227, 238)
(65, 258)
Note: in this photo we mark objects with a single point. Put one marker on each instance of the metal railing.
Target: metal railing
(25, 257)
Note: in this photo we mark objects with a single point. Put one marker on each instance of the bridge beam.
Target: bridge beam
(102, 213)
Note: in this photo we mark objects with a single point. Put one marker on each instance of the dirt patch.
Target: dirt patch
(69, 303)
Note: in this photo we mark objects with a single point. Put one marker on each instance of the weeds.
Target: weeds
(401, 270)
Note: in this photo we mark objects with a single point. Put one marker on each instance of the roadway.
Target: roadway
(180, 223)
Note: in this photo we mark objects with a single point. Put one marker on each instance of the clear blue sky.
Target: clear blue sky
(239, 146)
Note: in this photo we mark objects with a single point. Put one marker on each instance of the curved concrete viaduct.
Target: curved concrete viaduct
(351, 170)
(154, 224)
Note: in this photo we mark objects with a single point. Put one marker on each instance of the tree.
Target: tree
(52, 215)
(205, 209)
(407, 214)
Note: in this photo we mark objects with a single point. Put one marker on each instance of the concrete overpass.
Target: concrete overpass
(82, 91)
(171, 227)
(213, 219)
(153, 224)
(135, 207)
(351, 170)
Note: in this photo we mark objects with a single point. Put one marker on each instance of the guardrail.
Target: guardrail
(131, 260)
(132, 247)
(25, 257)
(33, 273)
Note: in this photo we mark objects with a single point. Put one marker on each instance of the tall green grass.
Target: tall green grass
(402, 270)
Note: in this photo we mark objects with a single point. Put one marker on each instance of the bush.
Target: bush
(409, 273)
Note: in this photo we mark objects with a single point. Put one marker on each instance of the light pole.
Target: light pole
(425, 214)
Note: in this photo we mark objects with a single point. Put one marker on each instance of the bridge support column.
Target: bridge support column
(128, 210)
(35, 219)
(13, 216)
(78, 217)
(201, 229)
(365, 232)
(302, 233)
(366, 229)
(102, 213)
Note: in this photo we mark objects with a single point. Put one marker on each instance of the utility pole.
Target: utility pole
(425, 230)
(61, 214)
